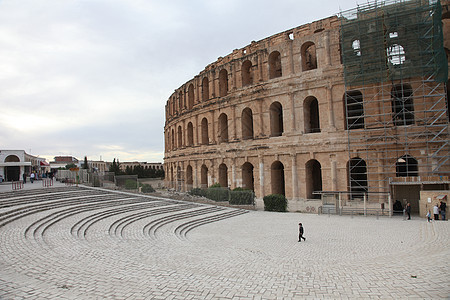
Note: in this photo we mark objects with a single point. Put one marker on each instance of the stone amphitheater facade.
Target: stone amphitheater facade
(269, 117)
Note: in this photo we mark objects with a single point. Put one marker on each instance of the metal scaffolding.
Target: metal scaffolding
(395, 72)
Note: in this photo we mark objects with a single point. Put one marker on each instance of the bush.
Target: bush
(130, 184)
(217, 194)
(147, 188)
(197, 192)
(240, 196)
(275, 202)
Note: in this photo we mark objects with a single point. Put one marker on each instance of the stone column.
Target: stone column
(213, 132)
(196, 135)
(233, 120)
(195, 174)
(233, 173)
(294, 176)
(261, 176)
(332, 126)
(294, 121)
(333, 163)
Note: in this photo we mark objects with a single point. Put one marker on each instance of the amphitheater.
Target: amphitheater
(81, 242)
(354, 105)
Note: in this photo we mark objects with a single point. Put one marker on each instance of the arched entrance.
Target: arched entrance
(12, 173)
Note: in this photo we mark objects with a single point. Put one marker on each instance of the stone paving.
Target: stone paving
(80, 243)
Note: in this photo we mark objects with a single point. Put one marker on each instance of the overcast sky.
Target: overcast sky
(91, 77)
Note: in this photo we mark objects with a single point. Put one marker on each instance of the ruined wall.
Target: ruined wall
(270, 116)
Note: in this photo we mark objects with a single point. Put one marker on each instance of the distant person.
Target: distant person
(32, 177)
(408, 210)
(300, 232)
(429, 216)
(24, 177)
(436, 212)
(443, 207)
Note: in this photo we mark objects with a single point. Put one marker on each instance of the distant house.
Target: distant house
(14, 163)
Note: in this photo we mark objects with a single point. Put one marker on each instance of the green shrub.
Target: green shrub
(217, 194)
(147, 188)
(130, 184)
(240, 196)
(275, 202)
(197, 192)
(215, 185)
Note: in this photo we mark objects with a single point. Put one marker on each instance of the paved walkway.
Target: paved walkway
(80, 243)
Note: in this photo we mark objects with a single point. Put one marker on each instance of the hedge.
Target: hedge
(242, 197)
(147, 188)
(275, 202)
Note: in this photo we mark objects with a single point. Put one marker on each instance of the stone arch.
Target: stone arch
(357, 176)
(180, 101)
(180, 137)
(12, 158)
(402, 104)
(309, 57)
(354, 107)
(275, 65)
(406, 166)
(313, 178)
(223, 128)
(277, 178)
(276, 119)
(223, 175)
(205, 89)
(189, 178)
(311, 114)
(205, 137)
(204, 176)
(246, 73)
(190, 96)
(190, 134)
(248, 180)
(247, 123)
(173, 139)
(223, 83)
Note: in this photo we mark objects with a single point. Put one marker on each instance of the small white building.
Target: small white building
(14, 163)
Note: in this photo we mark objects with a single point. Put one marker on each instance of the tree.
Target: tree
(115, 167)
(71, 165)
(85, 164)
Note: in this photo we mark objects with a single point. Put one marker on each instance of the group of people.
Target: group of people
(438, 209)
(35, 176)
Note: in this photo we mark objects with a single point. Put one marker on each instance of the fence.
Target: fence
(17, 185)
(47, 182)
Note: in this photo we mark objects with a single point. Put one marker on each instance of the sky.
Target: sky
(92, 77)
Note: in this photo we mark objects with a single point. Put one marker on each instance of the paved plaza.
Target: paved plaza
(85, 243)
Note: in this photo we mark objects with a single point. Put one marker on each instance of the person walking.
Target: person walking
(436, 212)
(300, 232)
(429, 216)
(32, 177)
(443, 207)
(408, 210)
(24, 177)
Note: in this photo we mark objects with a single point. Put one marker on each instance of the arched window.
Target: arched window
(190, 134)
(205, 137)
(309, 58)
(168, 145)
(173, 139)
(191, 96)
(354, 110)
(180, 178)
(313, 179)
(189, 180)
(223, 83)
(277, 178)
(180, 137)
(357, 170)
(311, 115)
(12, 158)
(172, 178)
(248, 180)
(247, 124)
(205, 89)
(402, 105)
(406, 166)
(223, 128)
(246, 70)
(180, 101)
(204, 176)
(223, 175)
(274, 65)
(276, 119)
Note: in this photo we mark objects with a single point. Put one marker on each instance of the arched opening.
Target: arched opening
(173, 139)
(247, 124)
(205, 89)
(313, 179)
(355, 110)
(223, 128)
(205, 137)
(406, 166)
(189, 180)
(277, 178)
(357, 170)
(246, 71)
(311, 115)
(274, 65)
(402, 105)
(396, 54)
(276, 119)
(309, 58)
(190, 134)
(248, 181)
(191, 96)
(12, 173)
(180, 137)
(181, 102)
(223, 83)
(204, 176)
(223, 175)
(12, 158)
(172, 178)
